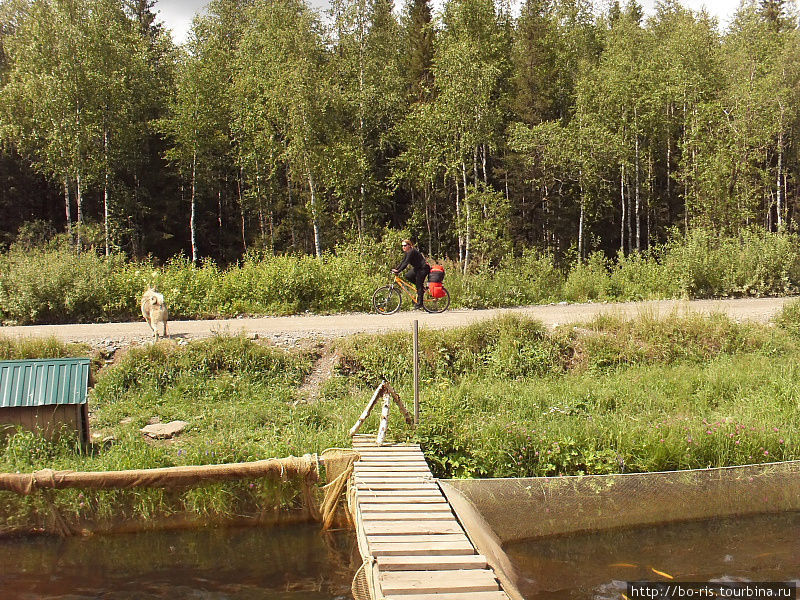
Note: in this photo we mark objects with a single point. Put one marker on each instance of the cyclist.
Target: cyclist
(418, 272)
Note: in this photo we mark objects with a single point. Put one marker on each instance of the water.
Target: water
(277, 563)
(596, 567)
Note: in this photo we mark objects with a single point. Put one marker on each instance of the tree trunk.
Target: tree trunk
(68, 210)
(105, 192)
(467, 216)
(624, 213)
(241, 209)
(778, 185)
(458, 221)
(314, 212)
(637, 203)
(79, 199)
(192, 224)
(580, 218)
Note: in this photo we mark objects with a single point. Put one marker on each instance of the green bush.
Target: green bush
(57, 286)
(588, 280)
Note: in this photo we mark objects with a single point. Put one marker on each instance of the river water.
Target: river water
(295, 562)
(597, 566)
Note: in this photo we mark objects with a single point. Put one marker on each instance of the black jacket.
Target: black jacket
(414, 258)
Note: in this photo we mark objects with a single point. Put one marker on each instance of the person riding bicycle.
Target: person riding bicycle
(418, 272)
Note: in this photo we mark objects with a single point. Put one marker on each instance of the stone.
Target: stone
(164, 431)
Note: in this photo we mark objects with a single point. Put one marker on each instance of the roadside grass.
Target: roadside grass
(501, 398)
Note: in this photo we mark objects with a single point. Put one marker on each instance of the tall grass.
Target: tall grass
(507, 398)
(54, 286)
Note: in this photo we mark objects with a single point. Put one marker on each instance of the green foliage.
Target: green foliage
(22, 348)
(789, 318)
(588, 281)
(508, 347)
(729, 410)
(750, 264)
(51, 286)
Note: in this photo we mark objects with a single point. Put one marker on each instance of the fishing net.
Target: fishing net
(334, 467)
(526, 508)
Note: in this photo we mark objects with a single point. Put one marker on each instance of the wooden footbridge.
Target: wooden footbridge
(408, 535)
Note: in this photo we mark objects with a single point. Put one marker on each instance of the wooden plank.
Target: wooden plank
(406, 516)
(395, 466)
(438, 582)
(418, 538)
(405, 507)
(389, 454)
(386, 450)
(400, 485)
(458, 596)
(364, 490)
(448, 548)
(393, 478)
(389, 472)
(389, 464)
(431, 563)
(379, 527)
(366, 498)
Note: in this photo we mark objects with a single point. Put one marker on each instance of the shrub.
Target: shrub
(588, 281)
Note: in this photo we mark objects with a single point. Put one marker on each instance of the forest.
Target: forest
(481, 131)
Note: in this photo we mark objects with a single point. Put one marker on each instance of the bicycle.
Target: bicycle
(387, 299)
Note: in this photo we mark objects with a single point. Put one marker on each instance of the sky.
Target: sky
(177, 14)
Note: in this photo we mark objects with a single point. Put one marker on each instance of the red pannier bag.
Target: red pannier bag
(436, 289)
(437, 274)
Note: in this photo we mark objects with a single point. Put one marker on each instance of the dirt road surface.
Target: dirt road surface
(289, 330)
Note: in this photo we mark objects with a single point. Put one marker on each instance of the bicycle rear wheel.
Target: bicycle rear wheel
(436, 305)
(386, 300)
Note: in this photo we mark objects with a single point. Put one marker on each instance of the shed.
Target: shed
(45, 394)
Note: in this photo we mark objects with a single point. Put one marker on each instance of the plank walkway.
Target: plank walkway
(404, 522)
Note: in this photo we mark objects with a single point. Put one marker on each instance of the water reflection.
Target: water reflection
(597, 566)
(278, 563)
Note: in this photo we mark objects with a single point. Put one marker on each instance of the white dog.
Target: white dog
(154, 310)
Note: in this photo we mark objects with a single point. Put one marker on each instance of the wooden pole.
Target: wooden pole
(387, 403)
(416, 372)
(378, 391)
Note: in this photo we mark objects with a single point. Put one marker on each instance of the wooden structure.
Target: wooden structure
(45, 395)
(384, 389)
(413, 546)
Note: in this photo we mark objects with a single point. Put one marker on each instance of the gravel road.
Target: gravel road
(290, 330)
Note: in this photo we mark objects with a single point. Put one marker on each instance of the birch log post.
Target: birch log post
(387, 403)
(378, 391)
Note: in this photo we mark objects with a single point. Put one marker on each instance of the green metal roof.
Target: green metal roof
(43, 382)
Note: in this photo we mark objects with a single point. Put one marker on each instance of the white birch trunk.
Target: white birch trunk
(467, 223)
(192, 211)
(314, 212)
(68, 210)
(105, 193)
(778, 183)
(458, 221)
(624, 213)
(79, 199)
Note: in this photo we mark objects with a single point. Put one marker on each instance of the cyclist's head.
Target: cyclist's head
(407, 244)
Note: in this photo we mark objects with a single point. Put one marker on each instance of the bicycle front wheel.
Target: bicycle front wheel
(386, 300)
(436, 305)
